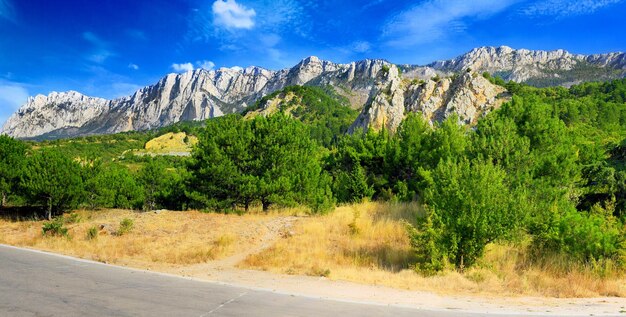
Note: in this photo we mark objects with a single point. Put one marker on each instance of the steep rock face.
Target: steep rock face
(194, 95)
(468, 95)
(386, 107)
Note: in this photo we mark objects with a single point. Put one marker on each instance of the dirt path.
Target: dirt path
(275, 229)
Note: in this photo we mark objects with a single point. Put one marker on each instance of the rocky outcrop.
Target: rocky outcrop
(386, 107)
(468, 95)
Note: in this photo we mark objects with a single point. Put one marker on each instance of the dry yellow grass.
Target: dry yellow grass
(168, 238)
(171, 142)
(367, 243)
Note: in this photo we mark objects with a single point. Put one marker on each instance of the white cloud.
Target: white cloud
(434, 19)
(100, 56)
(181, 68)
(285, 16)
(208, 65)
(100, 52)
(12, 96)
(372, 4)
(133, 66)
(185, 67)
(565, 8)
(231, 15)
(361, 46)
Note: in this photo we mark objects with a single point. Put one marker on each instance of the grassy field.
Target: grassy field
(365, 243)
(169, 238)
(171, 142)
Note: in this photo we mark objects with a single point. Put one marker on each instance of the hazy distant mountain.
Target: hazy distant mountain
(539, 68)
(375, 87)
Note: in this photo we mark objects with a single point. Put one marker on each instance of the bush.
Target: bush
(468, 206)
(583, 236)
(126, 226)
(72, 218)
(54, 228)
(385, 69)
(92, 233)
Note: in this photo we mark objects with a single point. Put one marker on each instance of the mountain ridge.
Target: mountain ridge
(202, 94)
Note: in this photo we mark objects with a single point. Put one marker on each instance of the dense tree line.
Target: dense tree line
(549, 167)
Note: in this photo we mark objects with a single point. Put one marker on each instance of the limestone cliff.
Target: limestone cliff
(383, 91)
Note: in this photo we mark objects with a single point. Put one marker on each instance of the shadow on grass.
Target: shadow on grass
(409, 212)
(28, 213)
(386, 257)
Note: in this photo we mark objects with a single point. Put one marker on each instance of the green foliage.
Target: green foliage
(105, 147)
(406, 154)
(385, 69)
(271, 160)
(12, 157)
(112, 186)
(448, 142)
(327, 114)
(357, 166)
(162, 186)
(126, 226)
(583, 236)
(353, 186)
(54, 228)
(494, 80)
(469, 206)
(53, 179)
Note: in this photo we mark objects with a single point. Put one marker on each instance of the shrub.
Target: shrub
(92, 233)
(582, 236)
(72, 218)
(54, 228)
(126, 226)
(469, 206)
(385, 69)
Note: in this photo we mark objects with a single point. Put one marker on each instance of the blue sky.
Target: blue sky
(110, 48)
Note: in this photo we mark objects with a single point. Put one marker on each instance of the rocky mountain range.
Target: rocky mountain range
(382, 91)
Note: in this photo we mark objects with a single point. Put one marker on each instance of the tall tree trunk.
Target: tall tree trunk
(4, 200)
(50, 208)
(266, 205)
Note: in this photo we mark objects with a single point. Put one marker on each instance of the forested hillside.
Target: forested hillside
(547, 170)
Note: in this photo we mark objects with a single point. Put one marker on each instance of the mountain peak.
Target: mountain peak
(203, 94)
(309, 60)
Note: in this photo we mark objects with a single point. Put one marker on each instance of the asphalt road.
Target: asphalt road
(40, 284)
